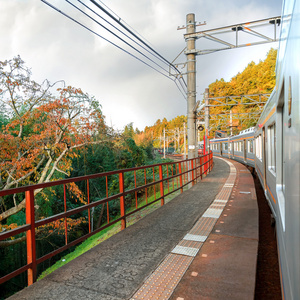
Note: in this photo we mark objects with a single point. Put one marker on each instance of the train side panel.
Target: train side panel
(288, 143)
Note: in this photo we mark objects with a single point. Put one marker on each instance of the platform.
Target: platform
(200, 244)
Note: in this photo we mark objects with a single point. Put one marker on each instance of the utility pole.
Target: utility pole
(178, 139)
(231, 132)
(191, 85)
(164, 142)
(184, 133)
(206, 121)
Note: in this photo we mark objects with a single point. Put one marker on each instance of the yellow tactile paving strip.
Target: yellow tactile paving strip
(203, 226)
(162, 282)
(189, 243)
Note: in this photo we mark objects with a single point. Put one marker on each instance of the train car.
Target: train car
(219, 147)
(273, 148)
(265, 151)
(278, 150)
(242, 147)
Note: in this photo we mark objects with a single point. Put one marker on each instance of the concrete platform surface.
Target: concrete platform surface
(225, 267)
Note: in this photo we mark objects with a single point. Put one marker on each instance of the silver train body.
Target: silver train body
(273, 149)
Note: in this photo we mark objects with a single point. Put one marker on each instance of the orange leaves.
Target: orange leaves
(76, 193)
(58, 226)
(43, 129)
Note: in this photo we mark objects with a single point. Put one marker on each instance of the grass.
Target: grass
(110, 231)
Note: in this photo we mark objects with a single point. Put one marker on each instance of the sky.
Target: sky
(55, 48)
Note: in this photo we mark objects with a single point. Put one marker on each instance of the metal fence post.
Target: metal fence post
(30, 237)
(122, 200)
(201, 167)
(161, 185)
(88, 196)
(193, 174)
(180, 172)
(65, 210)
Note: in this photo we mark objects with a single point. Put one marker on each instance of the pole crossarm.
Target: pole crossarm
(224, 121)
(226, 116)
(238, 100)
(235, 30)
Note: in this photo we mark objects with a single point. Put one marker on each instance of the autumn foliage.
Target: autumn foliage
(255, 79)
(43, 126)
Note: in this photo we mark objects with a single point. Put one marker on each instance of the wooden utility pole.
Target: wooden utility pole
(191, 86)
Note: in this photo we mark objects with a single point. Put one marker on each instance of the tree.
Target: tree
(255, 79)
(44, 128)
(129, 131)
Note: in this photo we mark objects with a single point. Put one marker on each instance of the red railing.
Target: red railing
(178, 174)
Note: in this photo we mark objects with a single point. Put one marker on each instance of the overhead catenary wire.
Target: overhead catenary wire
(172, 65)
(132, 33)
(120, 19)
(122, 32)
(102, 37)
(181, 85)
(111, 32)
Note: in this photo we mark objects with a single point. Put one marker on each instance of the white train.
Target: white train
(273, 149)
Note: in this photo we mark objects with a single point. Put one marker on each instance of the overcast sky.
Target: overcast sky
(55, 48)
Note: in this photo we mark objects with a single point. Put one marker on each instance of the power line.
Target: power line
(102, 37)
(117, 35)
(120, 19)
(121, 31)
(132, 33)
(181, 85)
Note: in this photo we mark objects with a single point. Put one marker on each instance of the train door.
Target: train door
(221, 148)
(281, 153)
(245, 150)
(264, 156)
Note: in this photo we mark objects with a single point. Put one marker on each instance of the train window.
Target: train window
(272, 148)
(225, 146)
(239, 146)
(258, 146)
(250, 146)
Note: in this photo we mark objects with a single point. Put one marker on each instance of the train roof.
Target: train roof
(219, 140)
(268, 108)
(248, 130)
